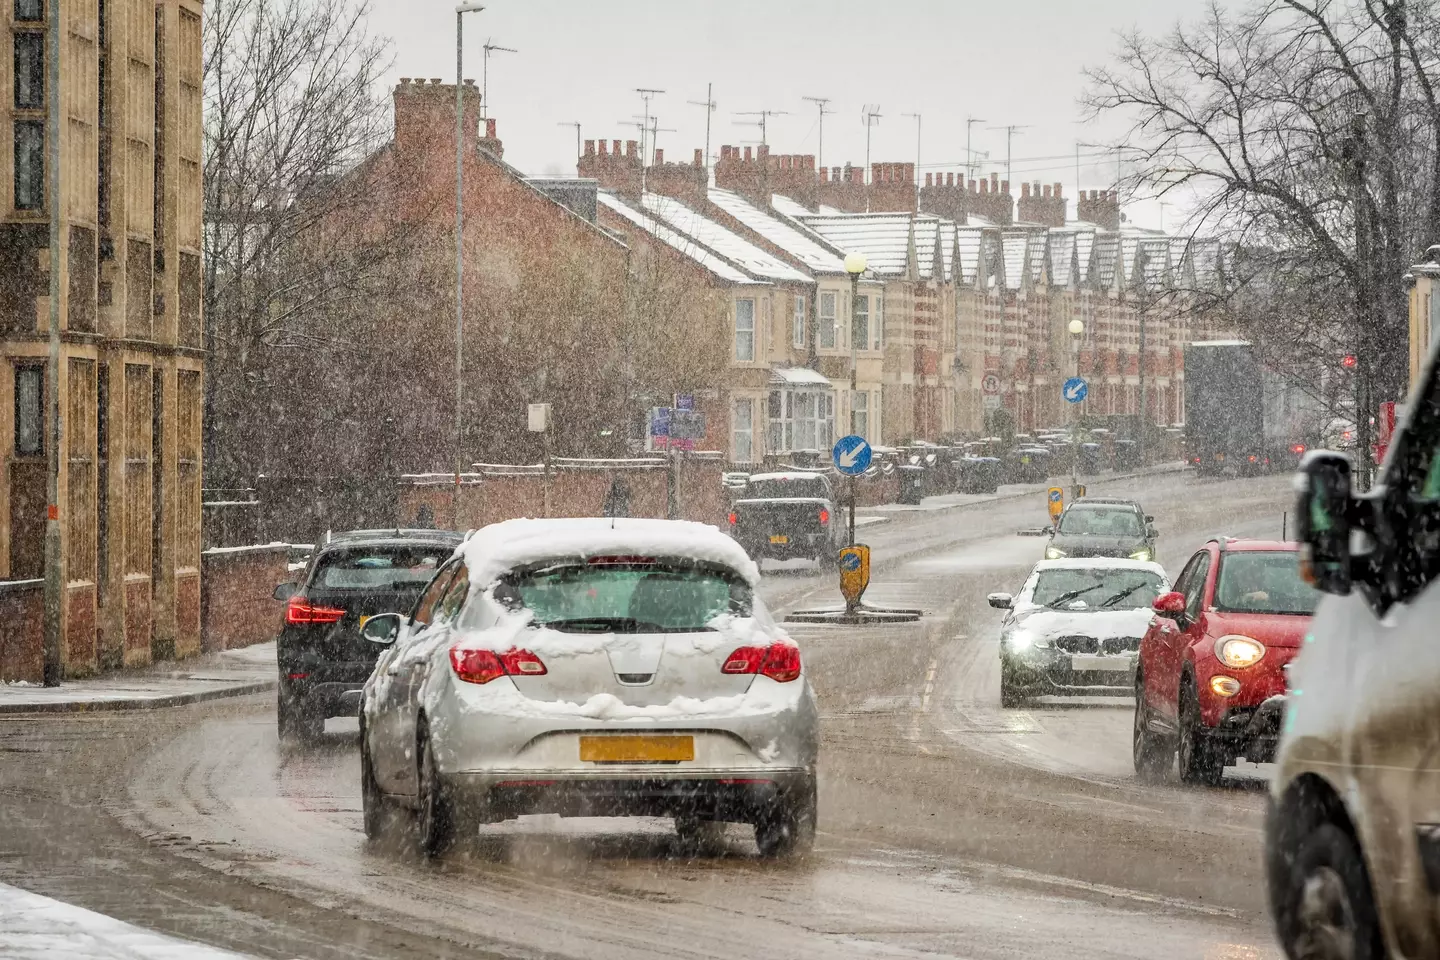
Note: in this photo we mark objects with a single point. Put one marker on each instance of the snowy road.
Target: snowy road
(949, 827)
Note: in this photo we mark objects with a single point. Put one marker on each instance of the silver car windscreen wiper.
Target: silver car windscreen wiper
(1111, 601)
(1071, 595)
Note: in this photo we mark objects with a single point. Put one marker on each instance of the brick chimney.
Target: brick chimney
(425, 114)
(757, 174)
(615, 171)
(1100, 207)
(949, 196)
(1042, 204)
(490, 143)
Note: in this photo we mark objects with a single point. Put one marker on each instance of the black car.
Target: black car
(787, 515)
(323, 659)
(1096, 527)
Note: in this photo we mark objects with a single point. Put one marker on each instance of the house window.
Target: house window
(30, 10)
(745, 330)
(29, 71)
(797, 326)
(860, 322)
(29, 411)
(801, 420)
(742, 434)
(29, 164)
(879, 331)
(827, 320)
(861, 400)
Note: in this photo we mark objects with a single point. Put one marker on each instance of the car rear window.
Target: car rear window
(626, 597)
(813, 488)
(380, 568)
(1263, 581)
(1101, 522)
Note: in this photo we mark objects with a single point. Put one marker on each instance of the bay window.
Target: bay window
(797, 331)
(801, 419)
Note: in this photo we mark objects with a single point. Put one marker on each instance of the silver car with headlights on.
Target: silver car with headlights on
(1075, 627)
(590, 667)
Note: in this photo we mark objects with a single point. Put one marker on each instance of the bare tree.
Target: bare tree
(1307, 133)
(293, 100)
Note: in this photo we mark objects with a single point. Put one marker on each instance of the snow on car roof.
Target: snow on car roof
(503, 546)
(1101, 563)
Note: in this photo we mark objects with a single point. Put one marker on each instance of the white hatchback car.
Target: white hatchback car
(591, 667)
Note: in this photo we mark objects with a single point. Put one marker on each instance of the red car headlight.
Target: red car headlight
(1239, 652)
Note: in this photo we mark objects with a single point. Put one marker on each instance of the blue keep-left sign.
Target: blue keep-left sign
(850, 561)
(852, 455)
(1056, 494)
(1075, 389)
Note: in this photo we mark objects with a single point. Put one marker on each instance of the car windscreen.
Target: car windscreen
(1263, 581)
(1101, 522)
(812, 488)
(1097, 588)
(398, 567)
(626, 597)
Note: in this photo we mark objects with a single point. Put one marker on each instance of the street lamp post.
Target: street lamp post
(460, 12)
(855, 264)
(1077, 329)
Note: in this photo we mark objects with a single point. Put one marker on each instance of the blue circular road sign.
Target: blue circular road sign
(850, 561)
(852, 455)
(1075, 389)
(1055, 496)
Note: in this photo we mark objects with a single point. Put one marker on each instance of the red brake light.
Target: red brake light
(482, 666)
(824, 516)
(300, 610)
(1297, 448)
(1253, 458)
(733, 519)
(779, 661)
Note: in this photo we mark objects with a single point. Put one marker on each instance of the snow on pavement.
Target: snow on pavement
(33, 927)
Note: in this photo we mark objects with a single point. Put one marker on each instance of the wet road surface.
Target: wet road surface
(949, 826)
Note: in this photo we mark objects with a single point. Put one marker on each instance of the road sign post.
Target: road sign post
(852, 456)
(854, 574)
(1056, 497)
(1074, 391)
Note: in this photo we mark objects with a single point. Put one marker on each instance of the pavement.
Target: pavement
(231, 673)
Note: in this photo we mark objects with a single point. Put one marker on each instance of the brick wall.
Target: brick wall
(22, 611)
(237, 606)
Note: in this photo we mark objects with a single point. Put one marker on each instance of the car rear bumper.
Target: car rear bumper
(325, 698)
(740, 795)
(796, 545)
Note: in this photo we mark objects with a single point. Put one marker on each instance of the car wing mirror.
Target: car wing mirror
(382, 629)
(1324, 518)
(284, 591)
(1149, 519)
(1000, 601)
(1170, 605)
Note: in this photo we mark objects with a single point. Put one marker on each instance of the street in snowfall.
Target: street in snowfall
(975, 498)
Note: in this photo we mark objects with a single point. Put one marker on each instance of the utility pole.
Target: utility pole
(646, 95)
(870, 116)
(1353, 150)
(1009, 138)
(576, 125)
(486, 50)
(917, 146)
(54, 571)
(969, 153)
(709, 106)
(764, 116)
(460, 12)
(820, 104)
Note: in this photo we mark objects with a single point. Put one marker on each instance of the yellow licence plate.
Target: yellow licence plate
(637, 749)
(779, 538)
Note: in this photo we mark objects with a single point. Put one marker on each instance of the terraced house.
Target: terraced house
(131, 367)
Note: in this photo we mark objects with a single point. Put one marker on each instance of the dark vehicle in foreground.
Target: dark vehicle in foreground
(1099, 527)
(1074, 627)
(324, 661)
(1211, 683)
(787, 515)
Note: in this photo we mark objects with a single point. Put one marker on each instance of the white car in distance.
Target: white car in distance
(590, 667)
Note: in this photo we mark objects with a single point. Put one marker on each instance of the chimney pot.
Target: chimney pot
(659, 156)
(835, 174)
(972, 186)
(762, 151)
(929, 180)
(1047, 190)
(749, 155)
(435, 81)
(470, 84)
(1005, 186)
(615, 147)
(604, 151)
(490, 128)
(824, 174)
(994, 183)
(1058, 188)
(589, 148)
(630, 147)
(405, 81)
(950, 179)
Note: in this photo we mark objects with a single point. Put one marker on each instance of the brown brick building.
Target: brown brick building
(131, 369)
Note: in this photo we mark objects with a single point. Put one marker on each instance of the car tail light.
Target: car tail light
(779, 661)
(733, 519)
(1297, 448)
(482, 666)
(824, 517)
(1254, 459)
(300, 610)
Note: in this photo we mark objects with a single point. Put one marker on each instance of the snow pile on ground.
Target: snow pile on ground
(33, 927)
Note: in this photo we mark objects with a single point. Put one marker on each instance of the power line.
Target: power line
(764, 116)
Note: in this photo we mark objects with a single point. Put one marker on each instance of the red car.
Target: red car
(1210, 682)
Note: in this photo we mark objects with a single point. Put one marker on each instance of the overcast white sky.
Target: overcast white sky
(1004, 61)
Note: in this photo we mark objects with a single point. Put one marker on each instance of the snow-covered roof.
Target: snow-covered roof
(884, 238)
(798, 376)
(967, 246)
(798, 243)
(665, 234)
(790, 208)
(726, 243)
(1015, 246)
(493, 550)
(1062, 257)
(947, 246)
